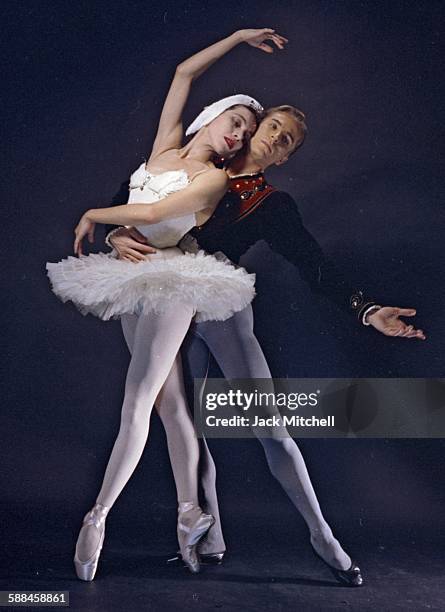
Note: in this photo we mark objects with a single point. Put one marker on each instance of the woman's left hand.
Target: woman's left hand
(257, 38)
(83, 228)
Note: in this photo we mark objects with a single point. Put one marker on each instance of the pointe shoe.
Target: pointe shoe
(86, 570)
(191, 529)
(351, 577)
(214, 548)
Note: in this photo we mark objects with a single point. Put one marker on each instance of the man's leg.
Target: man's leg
(239, 355)
(196, 359)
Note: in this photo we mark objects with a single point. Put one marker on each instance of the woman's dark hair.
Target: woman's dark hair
(258, 116)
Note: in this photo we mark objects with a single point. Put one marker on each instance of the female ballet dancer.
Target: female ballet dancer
(178, 188)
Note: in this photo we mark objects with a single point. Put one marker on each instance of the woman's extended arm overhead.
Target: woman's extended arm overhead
(170, 131)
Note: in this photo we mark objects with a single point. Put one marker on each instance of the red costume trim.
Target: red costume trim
(251, 191)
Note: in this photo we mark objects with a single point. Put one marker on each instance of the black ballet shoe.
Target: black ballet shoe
(351, 577)
(206, 559)
(212, 558)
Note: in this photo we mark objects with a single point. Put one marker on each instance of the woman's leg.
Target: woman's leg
(156, 341)
(239, 355)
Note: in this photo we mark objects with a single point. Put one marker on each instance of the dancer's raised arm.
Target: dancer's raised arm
(170, 131)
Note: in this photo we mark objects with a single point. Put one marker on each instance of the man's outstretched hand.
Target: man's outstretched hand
(386, 320)
(130, 244)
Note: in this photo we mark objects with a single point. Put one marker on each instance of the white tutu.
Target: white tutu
(108, 287)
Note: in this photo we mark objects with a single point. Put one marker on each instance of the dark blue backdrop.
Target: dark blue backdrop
(84, 84)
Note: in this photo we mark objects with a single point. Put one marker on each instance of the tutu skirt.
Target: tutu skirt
(107, 287)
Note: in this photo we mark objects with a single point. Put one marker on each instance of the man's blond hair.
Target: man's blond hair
(295, 113)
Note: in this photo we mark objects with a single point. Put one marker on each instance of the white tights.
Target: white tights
(239, 355)
(154, 342)
(155, 374)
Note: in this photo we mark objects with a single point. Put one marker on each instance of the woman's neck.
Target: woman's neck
(198, 149)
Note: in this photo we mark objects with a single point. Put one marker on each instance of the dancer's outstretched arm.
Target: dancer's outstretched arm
(283, 230)
(170, 131)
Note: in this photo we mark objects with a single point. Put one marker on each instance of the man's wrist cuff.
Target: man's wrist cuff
(368, 310)
(361, 306)
(111, 234)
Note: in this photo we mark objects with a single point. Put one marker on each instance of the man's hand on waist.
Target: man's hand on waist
(130, 244)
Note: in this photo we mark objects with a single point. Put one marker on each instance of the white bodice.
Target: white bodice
(146, 188)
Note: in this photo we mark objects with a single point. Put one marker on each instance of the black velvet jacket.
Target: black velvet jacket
(252, 211)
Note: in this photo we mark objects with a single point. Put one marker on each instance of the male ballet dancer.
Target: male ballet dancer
(253, 210)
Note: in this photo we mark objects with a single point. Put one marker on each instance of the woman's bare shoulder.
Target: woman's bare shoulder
(195, 169)
(214, 176)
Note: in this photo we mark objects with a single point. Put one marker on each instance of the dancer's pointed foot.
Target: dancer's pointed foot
(212, 558)
(351, 577)
(211, 547)
(193, 524)
(328, 549)
(90, 541)
(207, 559)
